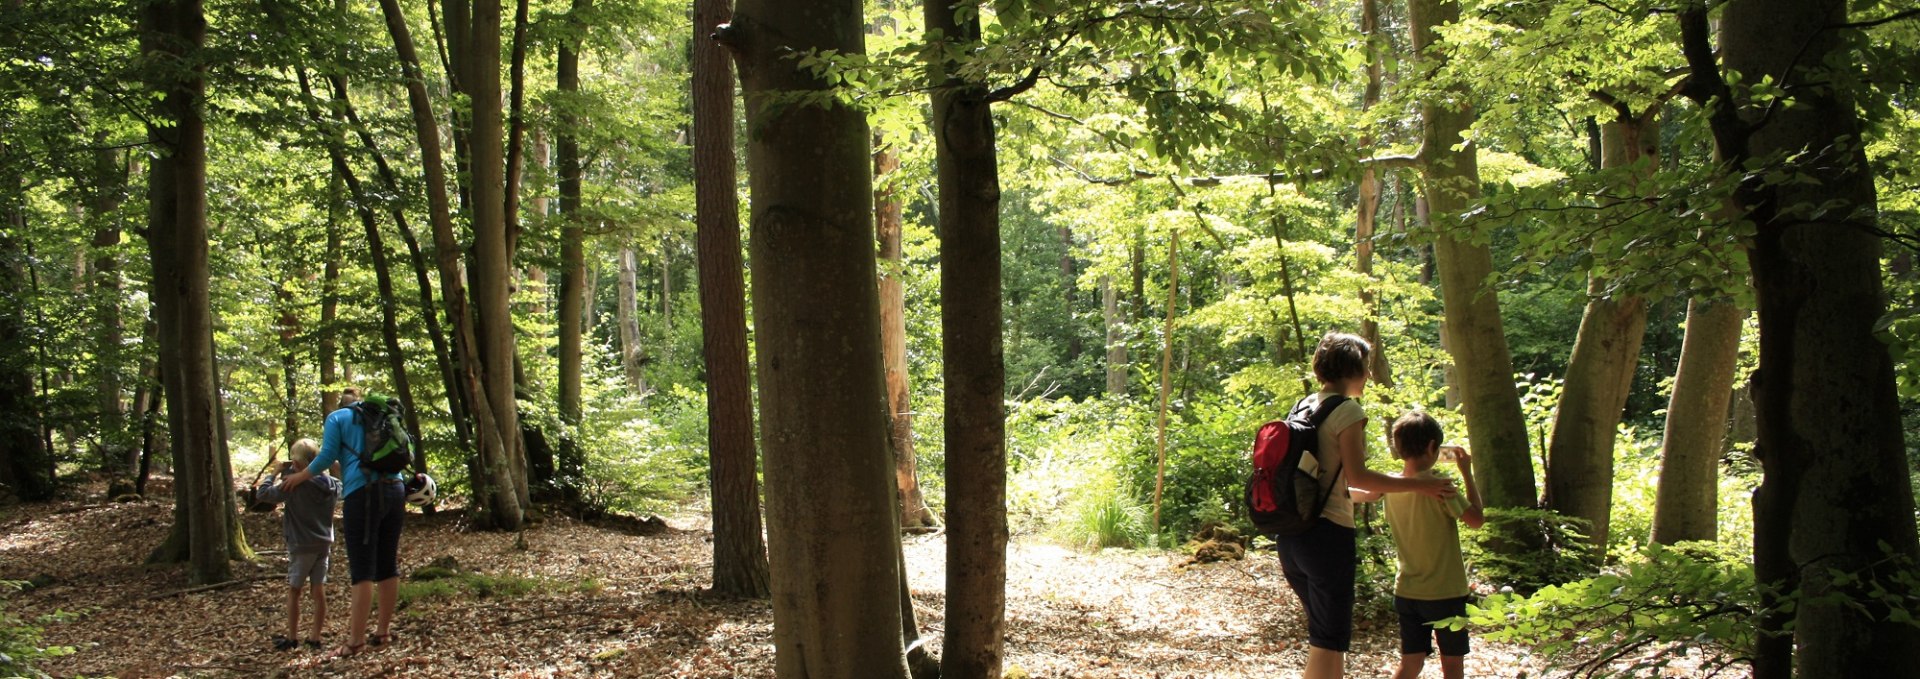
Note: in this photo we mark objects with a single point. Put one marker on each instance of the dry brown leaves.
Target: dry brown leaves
(1070, 613)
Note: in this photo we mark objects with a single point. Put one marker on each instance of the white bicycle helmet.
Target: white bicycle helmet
(421, 490)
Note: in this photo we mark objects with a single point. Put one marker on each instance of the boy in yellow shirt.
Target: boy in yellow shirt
(1432, 585)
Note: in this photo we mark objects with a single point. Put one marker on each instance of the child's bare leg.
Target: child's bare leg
(319, 612)
(389, 599)
(1453, 666)
(293, 612)
(1410, 665)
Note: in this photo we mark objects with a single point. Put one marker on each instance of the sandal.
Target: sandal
(282, 643)
(378, 640)
(347, 650)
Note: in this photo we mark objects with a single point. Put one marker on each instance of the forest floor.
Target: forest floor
(568, 599)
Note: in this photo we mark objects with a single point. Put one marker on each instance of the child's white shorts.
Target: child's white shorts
(305, 569)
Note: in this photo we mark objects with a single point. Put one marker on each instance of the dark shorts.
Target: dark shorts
(371, 518)
(1416, 625)
(1319, 565)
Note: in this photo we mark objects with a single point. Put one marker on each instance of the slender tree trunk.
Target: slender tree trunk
(817, 322)
(457, 408)
(383, 275)
(516, 129)
(975, 371)
(1367, 208)
(666, 290)
(1599, 376)
(1070, 287)
(739, 554)
(893, 339)
(494, 485)
(1835, 496)
(1687, 504)
(328, 352)
(492, 259)
(109, 191)
(1116, 338)
(573, 258)
(205, 528)
(289, 379)
(627, 315)
(1482, 361)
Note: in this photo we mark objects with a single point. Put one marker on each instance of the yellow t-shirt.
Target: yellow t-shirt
(1339, 504)
(1427, 535)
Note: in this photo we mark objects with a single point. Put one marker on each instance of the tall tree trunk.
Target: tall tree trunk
(205, 528)
(109, 191)
(573, 258)
(1070, 287)
(328, 352)
(627, 315)
(817, 321)
(975, 372)
(1116, 337)
(1478, 344)
(1367, 208)
(288, 381)
(1835, 493)
(739, 554)
(492, 261)
(888, 222)
(1687, 503)
(516, 130)
(1606, 351)
(494, 483)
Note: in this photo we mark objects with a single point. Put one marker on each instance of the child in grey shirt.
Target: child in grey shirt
(307, 523)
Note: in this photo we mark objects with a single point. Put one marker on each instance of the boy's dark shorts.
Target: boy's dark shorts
(1416, 625)
(1319, 565)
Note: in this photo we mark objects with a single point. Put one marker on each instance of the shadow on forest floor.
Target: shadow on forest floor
(600, 603)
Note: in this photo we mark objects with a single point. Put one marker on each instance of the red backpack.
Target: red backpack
(1282, 497)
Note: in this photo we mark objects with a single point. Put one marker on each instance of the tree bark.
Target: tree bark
(975, 372)
(494, 484)
(1836, 478)
(829, 497)
(1367, 207)
(888, 221)
(516, 132)
(1482, 361)
(1686, 505)
(329, 344)
(492, 258)
(739, 553)
(627, 315)
(108, 192)
(573, 257)
(1116, 338)
(206, 528)
(1599, 376)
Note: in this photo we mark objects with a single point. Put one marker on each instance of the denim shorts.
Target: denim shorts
(1319, 565)
(371, 519)
(307, 569)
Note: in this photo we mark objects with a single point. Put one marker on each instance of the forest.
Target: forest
(875, 338)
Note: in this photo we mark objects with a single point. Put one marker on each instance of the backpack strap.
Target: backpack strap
(1324, 409)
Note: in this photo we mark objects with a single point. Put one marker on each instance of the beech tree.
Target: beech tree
(816, 317)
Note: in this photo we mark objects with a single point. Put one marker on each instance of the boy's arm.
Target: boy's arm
(329, 453)
(1353, 458)
(1475, 516)
(269, 490)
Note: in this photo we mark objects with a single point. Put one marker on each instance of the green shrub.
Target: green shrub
(1109, 521)
(1658, 606)
(1527, 549)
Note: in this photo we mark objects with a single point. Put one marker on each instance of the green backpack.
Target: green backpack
(386, 448)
